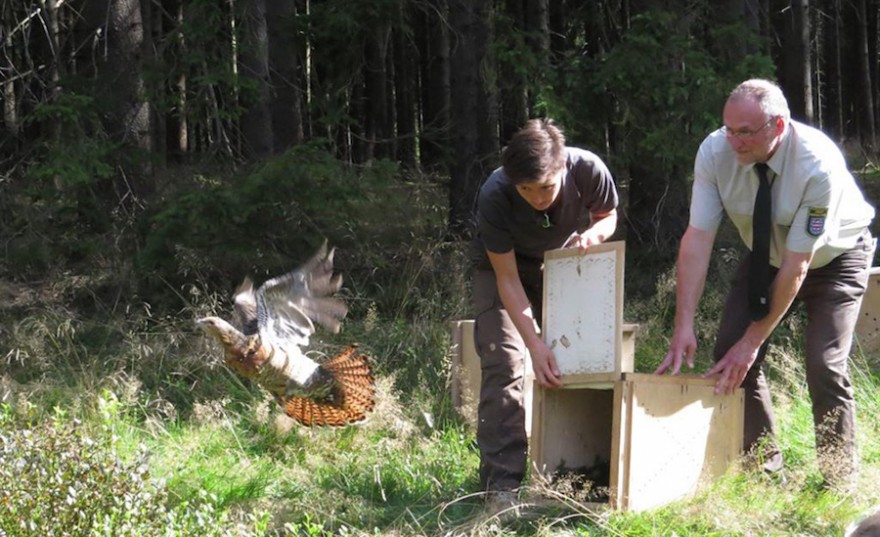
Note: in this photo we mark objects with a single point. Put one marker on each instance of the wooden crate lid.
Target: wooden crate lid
(583, 308)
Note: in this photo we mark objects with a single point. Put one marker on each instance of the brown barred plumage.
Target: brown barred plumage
(354, 379)
(274, 322)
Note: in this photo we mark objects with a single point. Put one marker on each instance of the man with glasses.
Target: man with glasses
(787, 190)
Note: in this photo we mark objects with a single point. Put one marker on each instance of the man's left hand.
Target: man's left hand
(734, 366)
(581, 241)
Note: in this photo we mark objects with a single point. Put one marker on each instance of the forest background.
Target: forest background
(154, 152)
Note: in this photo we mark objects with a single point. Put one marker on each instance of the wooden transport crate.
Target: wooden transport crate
(466, 374)
(583, 310)
(465, 370)
(868, 325)
(649, 439)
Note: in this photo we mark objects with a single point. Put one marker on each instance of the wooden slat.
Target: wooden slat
(589, 380)
(465, 371)
(619, 447)
(680, 379)
(456, 365)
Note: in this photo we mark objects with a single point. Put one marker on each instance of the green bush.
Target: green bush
(268, 221)
(57, 479)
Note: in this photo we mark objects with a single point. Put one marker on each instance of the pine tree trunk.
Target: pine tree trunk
(56, 68)
(511, 80)
(122, 88)
(797, 79)
(434, 43)
(837, 76)
(256, 122)
(556, 28)
(376, 108)
(10, 55)
(538, 32)
(285, 104)
(181, 117)
(866, 96)
(538, 28)
(405, 98)
(475, 142)
(158, 120)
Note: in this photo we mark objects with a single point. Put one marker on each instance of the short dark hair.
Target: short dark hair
(534, 151)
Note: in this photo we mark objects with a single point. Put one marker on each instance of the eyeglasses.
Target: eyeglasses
(745, 134)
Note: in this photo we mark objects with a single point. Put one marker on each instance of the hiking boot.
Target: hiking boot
(503, 504)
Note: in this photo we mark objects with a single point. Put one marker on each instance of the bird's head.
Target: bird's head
(220, 330)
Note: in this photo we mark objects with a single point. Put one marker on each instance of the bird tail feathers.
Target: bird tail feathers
(354, 398)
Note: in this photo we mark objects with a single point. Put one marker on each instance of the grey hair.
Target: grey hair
(766, 94)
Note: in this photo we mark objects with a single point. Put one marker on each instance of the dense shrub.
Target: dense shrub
(57, 479)
(267, 221)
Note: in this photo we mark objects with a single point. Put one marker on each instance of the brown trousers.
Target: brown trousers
(832, 296)
(501, 432)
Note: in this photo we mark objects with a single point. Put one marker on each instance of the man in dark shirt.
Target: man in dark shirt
(545, 196)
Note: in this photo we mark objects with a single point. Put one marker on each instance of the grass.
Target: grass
(194, 450)
(216, 449)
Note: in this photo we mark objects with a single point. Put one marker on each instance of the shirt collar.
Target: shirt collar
(777, 161)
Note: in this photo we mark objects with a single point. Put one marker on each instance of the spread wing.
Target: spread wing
(245, 307)
(287, 305)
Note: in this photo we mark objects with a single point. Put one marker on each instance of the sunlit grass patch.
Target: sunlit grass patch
(159, 395)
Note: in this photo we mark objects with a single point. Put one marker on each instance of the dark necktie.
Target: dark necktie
(759, 269)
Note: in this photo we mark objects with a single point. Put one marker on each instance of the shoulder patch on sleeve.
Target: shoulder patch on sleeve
(816, 220)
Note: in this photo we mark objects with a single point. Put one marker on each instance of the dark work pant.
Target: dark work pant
(501, 433)
(832, 296)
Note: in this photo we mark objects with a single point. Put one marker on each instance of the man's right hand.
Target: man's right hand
(690, 277)
(683, 347)
(544, 365)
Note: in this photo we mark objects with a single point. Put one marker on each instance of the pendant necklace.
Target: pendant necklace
(546, 223)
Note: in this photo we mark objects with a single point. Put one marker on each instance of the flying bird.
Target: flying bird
(275, 322)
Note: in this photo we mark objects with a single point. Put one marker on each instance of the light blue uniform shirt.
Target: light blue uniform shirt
(817, 205)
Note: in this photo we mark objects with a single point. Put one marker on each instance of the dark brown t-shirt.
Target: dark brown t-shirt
(505, 221)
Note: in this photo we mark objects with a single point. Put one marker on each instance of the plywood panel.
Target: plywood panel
(868, 325)
(680, 434)
(465, 381)
(576, 426)
(663, 436)
(583, 308)
(628, 347)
